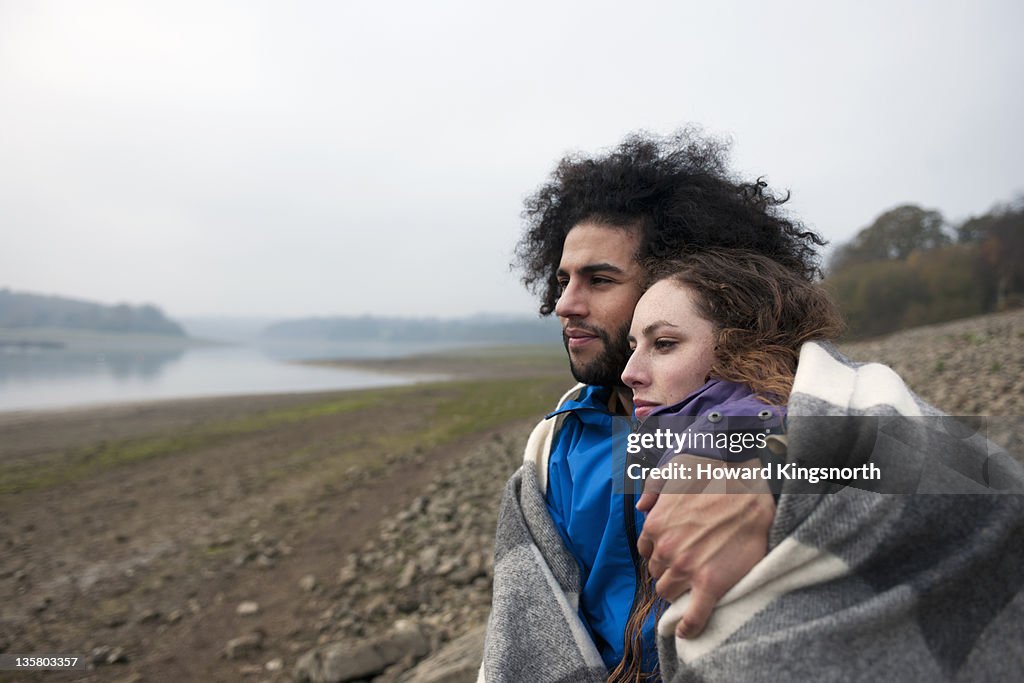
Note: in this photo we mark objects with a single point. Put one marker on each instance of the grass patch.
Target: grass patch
(81, 463)
(418, 416)
(479, 362)
(454, 410)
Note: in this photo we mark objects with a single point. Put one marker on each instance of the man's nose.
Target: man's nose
(635, 374)
(572, 303)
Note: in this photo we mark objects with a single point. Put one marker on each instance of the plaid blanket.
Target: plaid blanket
(857, 584)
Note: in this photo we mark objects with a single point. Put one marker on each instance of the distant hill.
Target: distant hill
(23, 310)
(484, 328)
(226, 328)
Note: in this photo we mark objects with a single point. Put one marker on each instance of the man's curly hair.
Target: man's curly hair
(676, 190)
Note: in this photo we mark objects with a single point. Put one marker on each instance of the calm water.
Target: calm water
(49, 378)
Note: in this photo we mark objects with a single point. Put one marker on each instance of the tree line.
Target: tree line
(913, 267)
(25, 310)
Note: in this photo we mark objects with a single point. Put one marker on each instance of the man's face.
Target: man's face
(600, 281)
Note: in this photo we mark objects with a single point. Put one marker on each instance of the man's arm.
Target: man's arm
(703, 543)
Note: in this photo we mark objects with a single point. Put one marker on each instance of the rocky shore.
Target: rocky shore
(421, 584)
(973, 366)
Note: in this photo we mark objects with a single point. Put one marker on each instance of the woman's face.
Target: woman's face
(673, 347)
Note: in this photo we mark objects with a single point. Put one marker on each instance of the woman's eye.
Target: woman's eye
(664, 344)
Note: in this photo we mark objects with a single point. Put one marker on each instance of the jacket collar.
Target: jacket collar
(589, 398)
(714, 393)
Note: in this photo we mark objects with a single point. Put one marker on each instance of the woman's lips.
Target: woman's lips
(644, 408)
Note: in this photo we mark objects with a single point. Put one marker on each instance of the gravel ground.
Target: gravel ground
(965, 367)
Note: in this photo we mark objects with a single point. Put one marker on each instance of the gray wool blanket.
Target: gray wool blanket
(922, 584)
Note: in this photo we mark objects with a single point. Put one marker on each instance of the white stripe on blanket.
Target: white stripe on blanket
(867, 386)
(789, 566)
(570, 610)
(538, 446)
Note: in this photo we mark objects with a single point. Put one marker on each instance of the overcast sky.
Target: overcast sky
(314, 158)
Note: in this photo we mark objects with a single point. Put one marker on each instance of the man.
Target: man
(590, 231)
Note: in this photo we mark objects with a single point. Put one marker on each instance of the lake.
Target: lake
(43, 378)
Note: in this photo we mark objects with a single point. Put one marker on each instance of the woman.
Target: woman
(717, 334)
(856, 585)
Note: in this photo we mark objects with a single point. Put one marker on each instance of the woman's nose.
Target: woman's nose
(635, 374)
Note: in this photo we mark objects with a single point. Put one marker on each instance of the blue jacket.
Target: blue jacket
(592, 521)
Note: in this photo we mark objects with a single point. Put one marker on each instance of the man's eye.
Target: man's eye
(600, 281)
(664, 344)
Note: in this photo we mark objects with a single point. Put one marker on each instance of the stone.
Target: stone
(243, 646)
(462, 576)
(342, 661)
(457, 662)
(149, 616)
(447, 566)
(408, 602)
(308, 583)
(408, 574)
(428, 557)
(116, 620)
(247, 608)
(347, 574)
(246, 557)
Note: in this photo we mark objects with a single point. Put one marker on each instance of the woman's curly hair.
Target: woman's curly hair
(762, 313)
(676, 189)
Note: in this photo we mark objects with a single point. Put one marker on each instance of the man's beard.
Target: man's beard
(606, 369)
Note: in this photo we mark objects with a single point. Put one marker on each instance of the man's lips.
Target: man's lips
(576, 338)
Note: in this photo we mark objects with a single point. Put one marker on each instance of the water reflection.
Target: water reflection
(32, 378)
(37, 364)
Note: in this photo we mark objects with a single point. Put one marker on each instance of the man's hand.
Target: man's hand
(699, 540)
